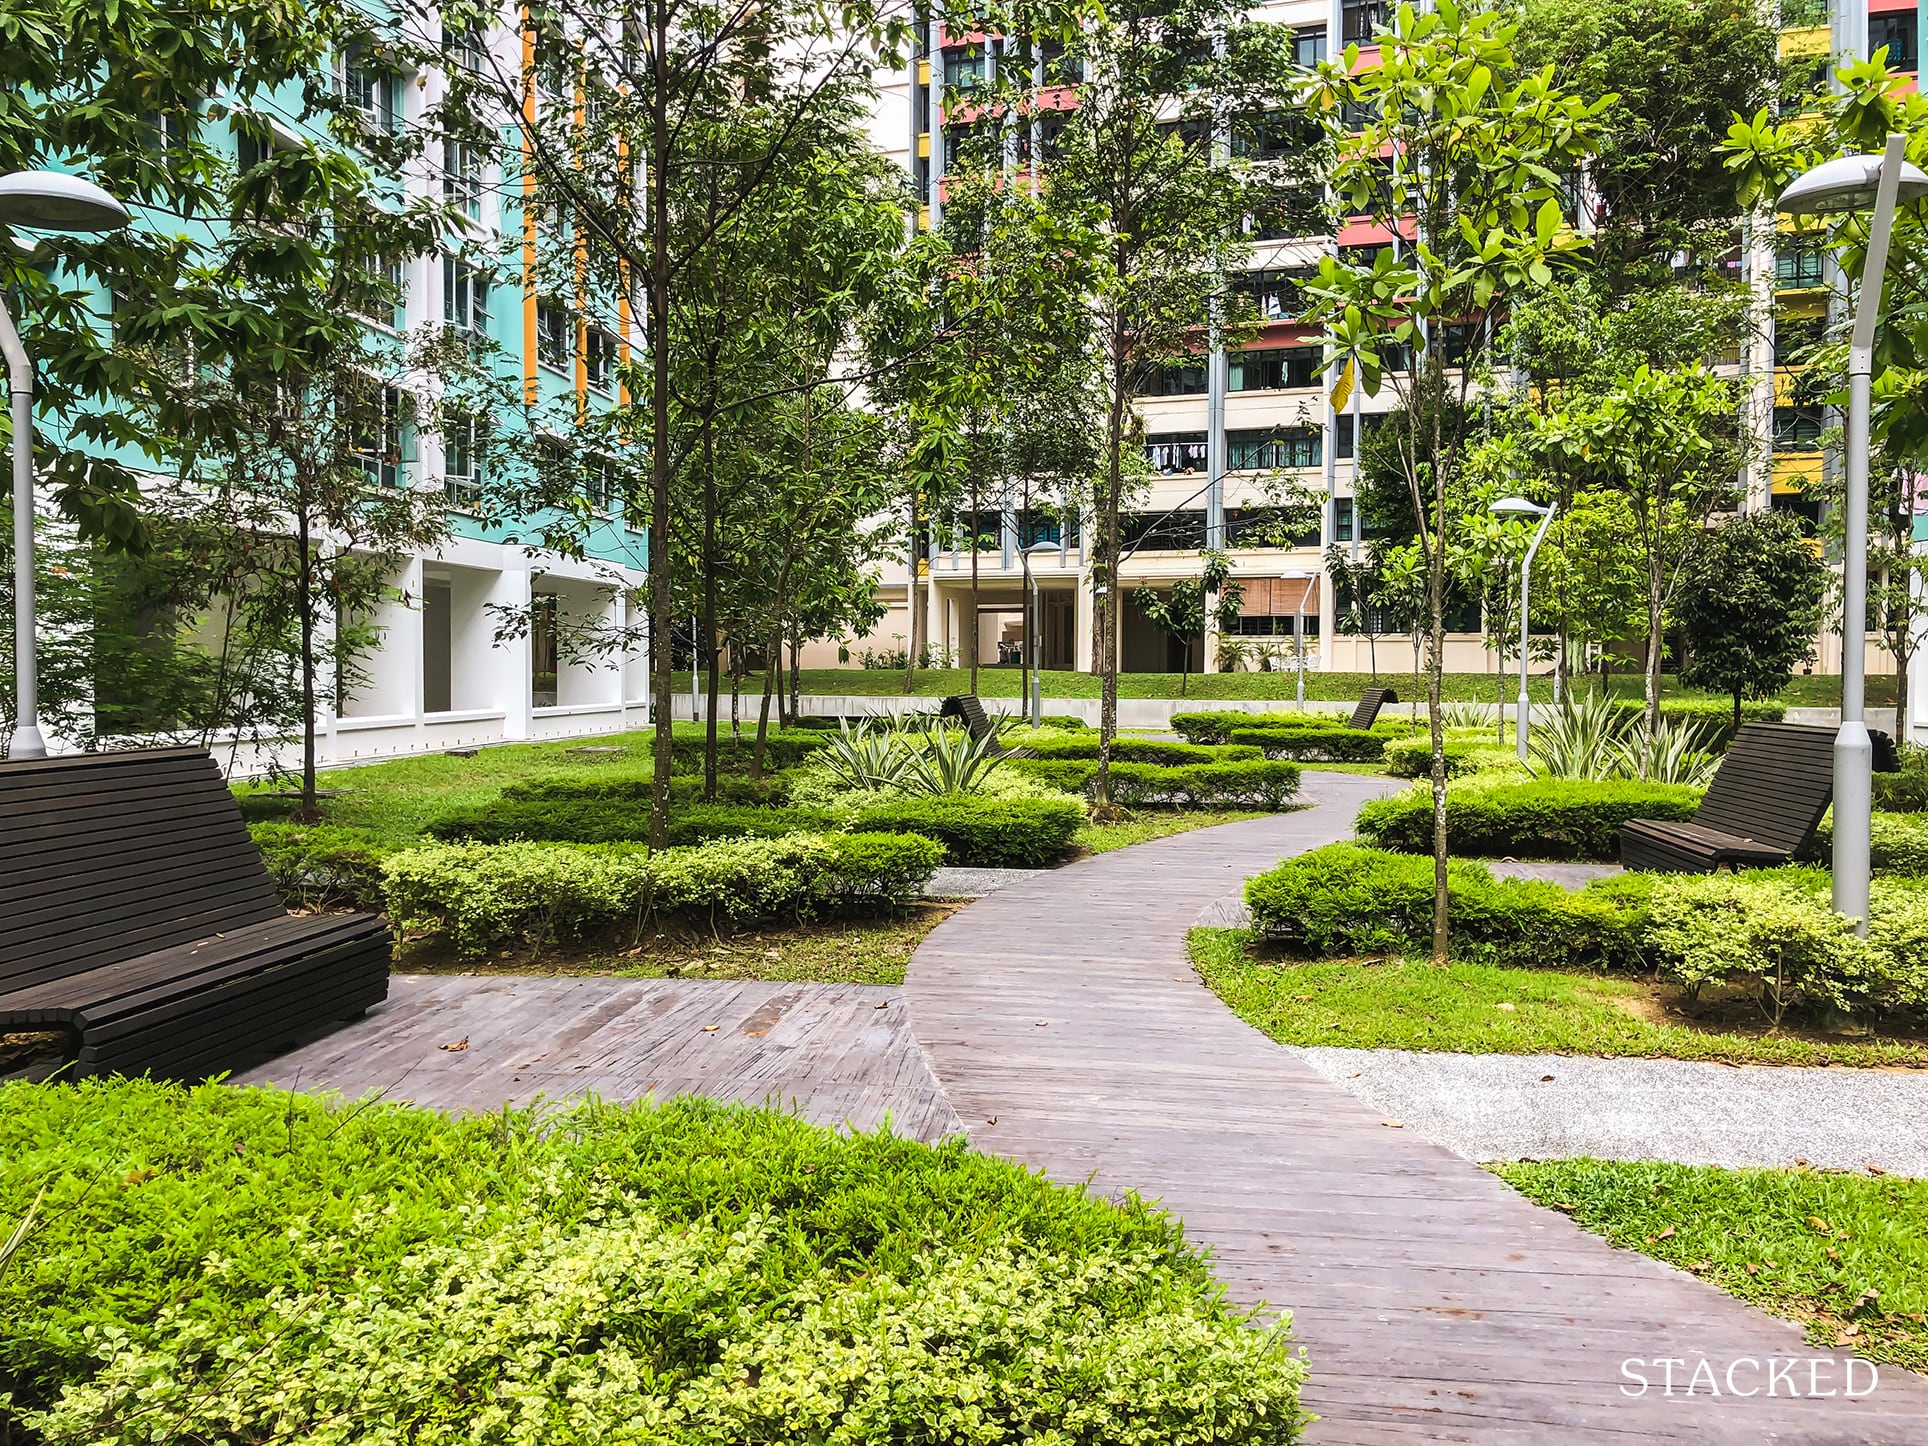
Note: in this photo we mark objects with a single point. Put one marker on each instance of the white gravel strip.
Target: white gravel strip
(973, 883)
(1505, 1107)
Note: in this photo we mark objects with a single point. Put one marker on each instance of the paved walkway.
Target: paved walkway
(1552, 1107)
(837, 1054)
(1068, 1030)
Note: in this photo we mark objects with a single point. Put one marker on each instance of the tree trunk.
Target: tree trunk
(662, 684)
(308, 810)
(911, 598)
(771, 662)
(711, 652)
(1108, 566)
(1435, 668)
(796, 678)
(976, 636)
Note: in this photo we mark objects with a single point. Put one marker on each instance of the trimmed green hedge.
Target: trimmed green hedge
(1545, 819)
(783, 748)
(1346, 900)
(1897, 843)
(1413, 758)
(1218, 726)
(1330, 745)
(478, 894)
(986, 833)
(323, 866)
(1254, 783)
(770, 791)
(1137, 750)
(1240, 783)
(1905, 792)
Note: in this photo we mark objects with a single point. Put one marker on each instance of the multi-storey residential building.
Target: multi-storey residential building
(445, 670)
(1214, 427)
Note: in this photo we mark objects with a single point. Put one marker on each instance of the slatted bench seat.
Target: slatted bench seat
(1763, 805)
(1370, 702)
(136, 913)
(968, 709)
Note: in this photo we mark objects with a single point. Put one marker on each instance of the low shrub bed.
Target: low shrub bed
(1324, 745)
(783, 748)
(254, 1265)
(1897, 843)
(323, 867)
(985, 833)
(770, 791)
(1137, 750)
(1347, 900)
(1545, 819)
(1218, 726)
(1413, 758)
(479, 894)
(1904, 792)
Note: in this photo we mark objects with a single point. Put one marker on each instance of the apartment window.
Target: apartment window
(465, 297)
(555, 333)
(1051, 135)
(1460, 340)
(1275, 136)
(1276, 625)
(1309, 45)
(1181, 380)
(1266, 451)
(1798, 429)
(1059, 68)
(1896, 30)
(1170, 453)
(388, 287)
(1362, 19)
(462, 452)
(1342, 518)
(370, 90)
(1179, 531)
(466, 50)
(462, 178)
(1036, 525)
(958, 140)
(375, 435)
(1277, 295)
(964, 67)
(600, 485)
(599, 358)
(1262, 527)
(1795, 336)
(1278, 369)
(981, 531)
(1799, 264)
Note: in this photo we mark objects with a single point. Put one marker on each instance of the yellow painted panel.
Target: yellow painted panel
(923, 72)
(1791, 469)
(924, 145)
(1805, 40)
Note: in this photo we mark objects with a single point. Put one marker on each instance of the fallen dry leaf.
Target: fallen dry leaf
(1509, 1008)
(1753, 1269)
(1667, 1234)
(1043, 1023)
(884, 1005)
(990, 1119)
(1799, 1161)
(1393, 1124)
(1821, 1225)
(1546, 1078)
(1875, 1170)
(711, 1028)
(138, 1177)
(458, 1046)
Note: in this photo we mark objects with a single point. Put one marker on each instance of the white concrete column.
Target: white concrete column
(506, 666)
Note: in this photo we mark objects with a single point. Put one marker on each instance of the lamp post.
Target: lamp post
(38, 201)
(1520, 507)
(1855, 183)
(1033, 620)
(1304, 579)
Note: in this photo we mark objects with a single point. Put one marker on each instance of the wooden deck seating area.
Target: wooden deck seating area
(1763, 805)
(1370, 702)
(136, 912)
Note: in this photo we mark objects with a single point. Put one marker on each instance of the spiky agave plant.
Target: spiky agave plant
(950, 760)
(867, 754)
(1579, 739)
(1677, 751)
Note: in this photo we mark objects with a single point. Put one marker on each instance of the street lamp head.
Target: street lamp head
(1519, 505)
(1846, 183)
(54, 201)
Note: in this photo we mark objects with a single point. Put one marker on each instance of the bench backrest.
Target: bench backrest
(107, 856)
(1370, 702)
(1773, 785)
(967, 708)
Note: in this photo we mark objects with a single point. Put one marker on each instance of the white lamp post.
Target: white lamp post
(1033, 620)
(1854, 183)
(1520, 507)
(38, 201)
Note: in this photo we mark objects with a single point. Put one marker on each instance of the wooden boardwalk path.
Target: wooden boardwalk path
(837, 1054)
(1068, 1030)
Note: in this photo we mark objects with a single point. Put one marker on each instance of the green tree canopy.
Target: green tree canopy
(1750, 605)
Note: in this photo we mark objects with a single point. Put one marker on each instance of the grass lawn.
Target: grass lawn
(396, 799)
(1102, 838)
(841, 951)
(1483, 1009)
(1812, 692)
(1846, 1255)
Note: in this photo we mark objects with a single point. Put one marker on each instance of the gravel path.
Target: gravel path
(1503, 1107)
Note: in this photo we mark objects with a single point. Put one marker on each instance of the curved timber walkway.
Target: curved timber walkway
(1066, 1026)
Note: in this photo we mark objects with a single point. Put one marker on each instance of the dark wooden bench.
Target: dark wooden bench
(1763, 805)
(1370, 702)
(969, 710)
(136, 913)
